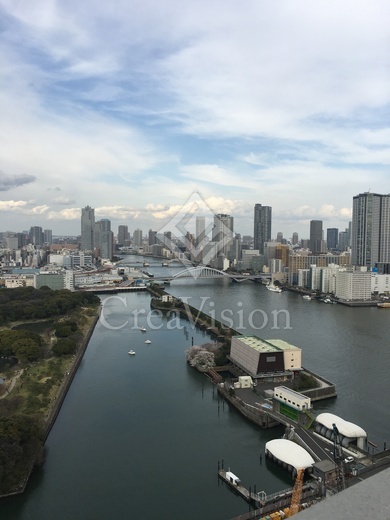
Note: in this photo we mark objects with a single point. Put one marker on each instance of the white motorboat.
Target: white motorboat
(273, 288)
(148, 341)
(306, 297)
(131, 352)
(142, 329)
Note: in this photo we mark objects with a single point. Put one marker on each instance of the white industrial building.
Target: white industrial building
(291, 398)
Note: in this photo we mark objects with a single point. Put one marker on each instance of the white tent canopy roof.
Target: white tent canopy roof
(346, 428)
(290, 453)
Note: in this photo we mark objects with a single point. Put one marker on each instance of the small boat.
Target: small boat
(142, 329)
(131, 352)
(306, 297)
(146, 264)
(273, 288)
(148, 341)
(165, 264)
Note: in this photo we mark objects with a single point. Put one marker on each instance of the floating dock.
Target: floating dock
(235, 483)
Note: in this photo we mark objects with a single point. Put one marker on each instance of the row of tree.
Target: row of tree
(21, 445)
(26, 303)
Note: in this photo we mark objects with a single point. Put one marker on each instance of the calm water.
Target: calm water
(140, 436)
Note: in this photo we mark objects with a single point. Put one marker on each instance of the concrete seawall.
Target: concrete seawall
(68, 379)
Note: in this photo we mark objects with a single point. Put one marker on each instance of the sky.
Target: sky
(133, 106)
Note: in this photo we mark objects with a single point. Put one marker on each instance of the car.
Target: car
(348, 460)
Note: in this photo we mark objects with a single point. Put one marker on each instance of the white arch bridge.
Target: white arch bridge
(209, 272)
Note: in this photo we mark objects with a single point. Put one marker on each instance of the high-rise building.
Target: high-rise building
(152, 237)
(223, 233)
(200, 232)
(123, 235)
(48, 236)
(279, 237)
(371, 231)
(316, 237)
(332, 238)
(87, 229)
(104, 239)
(262, 226)
(295, 238)
(137, 237)
(36, 236)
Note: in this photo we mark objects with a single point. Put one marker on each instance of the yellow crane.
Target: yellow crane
(297, 493)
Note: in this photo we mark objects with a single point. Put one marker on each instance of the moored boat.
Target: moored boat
(306, 297)
(273, 288)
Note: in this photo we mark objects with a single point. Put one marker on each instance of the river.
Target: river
(141, 436)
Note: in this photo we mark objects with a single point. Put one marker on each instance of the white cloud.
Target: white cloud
(12, 205)
(132, 109)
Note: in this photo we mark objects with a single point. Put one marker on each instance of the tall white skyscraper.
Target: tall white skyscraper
(371, 231)
(87, 229)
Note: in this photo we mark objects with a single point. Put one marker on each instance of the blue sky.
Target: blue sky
(131, 106)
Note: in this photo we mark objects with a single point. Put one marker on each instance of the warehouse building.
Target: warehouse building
(258, 356)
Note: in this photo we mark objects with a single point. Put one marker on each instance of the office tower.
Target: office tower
(371, 231)
(48, 236)
(295, 238)
(36, 235)
(104, 239)
(222, 233)
(343, 243)
(200, 231)
(316, 237)
(137, 237)
(87, 229)
(123, 235)
(262, 226)
(332, 238)
(152, 237)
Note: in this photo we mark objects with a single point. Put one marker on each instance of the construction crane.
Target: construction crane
(297, 493)
(338, 457)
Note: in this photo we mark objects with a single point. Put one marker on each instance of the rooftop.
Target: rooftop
(346, 428)
(290, 453)
(270, 345)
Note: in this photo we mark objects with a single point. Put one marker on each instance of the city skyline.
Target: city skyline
(132, 110)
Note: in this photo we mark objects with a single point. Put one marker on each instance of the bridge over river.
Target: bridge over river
(202, 272)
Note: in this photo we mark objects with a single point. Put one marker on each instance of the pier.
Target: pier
(264, 504)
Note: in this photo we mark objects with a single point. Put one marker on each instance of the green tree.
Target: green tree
(64, 347)
(26, 350)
